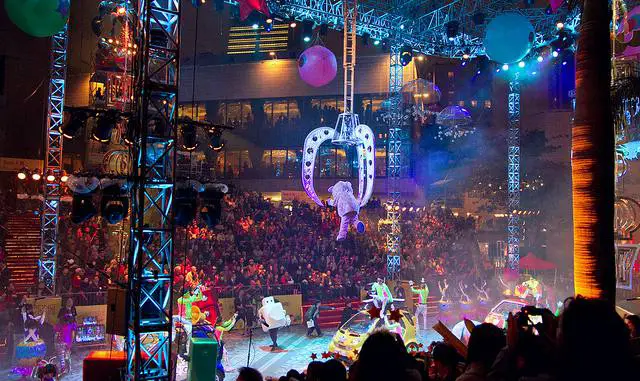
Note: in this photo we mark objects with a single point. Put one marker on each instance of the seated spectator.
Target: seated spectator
(444, 366)
(485, 343)
(383, 357)
(633, 323)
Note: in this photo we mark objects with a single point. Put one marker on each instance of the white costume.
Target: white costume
(348, 208)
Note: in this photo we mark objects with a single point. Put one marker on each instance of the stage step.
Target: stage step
(22, 248)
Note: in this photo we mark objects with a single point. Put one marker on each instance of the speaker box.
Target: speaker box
(103, 366)
(116, 314)
(204, 359)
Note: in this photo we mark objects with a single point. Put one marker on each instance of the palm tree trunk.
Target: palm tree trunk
(593, 158)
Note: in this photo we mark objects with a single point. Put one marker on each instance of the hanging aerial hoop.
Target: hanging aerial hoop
(348, 131)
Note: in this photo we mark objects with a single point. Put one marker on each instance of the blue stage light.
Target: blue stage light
(376, 42)
(521, 64)
(540, 59)
(505, 67)
(555, 53)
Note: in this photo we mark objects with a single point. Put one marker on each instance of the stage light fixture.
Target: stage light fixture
(255, 26)
(77, 121)
(505, 67)
(420, 58)
(564, 63)
(105, 124)
(50, 176)
(22, 173)
(185, 205)
(189, 137)
(521, 64)
(555, 54)
(534, 72)
(36, 176)
(307, 38)
(406, 55)
(211, 197)
(114, 205)
(465, 56)
(82, 208)
(268, 25)
(559, 25)
(292, 23)
(307, 30)
(376, 42)
(452, 29)
(540, 58)
(65, 177)
(129, 132)
(215, 139)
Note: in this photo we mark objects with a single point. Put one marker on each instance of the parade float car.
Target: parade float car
(499, 314)
(348, 341)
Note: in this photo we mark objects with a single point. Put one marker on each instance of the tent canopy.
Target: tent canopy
(531, 262)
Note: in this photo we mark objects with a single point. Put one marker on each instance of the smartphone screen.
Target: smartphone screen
(535, 319)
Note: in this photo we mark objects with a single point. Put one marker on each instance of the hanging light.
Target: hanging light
(82, 208)
(22, 173)
(129, 132)
(215, 139)
(77, 121)
(51, 177)
(104, 126)
(36, 175)
(185, 205)
(406, 55)
(114, 205)
(65, 177)
(189, 137)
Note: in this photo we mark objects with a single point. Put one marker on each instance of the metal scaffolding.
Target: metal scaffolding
(513, 175)
(53, 162)
(394, 161)
(151, 258)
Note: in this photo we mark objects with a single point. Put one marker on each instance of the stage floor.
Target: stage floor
(295, 354)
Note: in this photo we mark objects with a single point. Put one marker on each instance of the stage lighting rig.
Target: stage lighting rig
(452, 28)
(406, 55)
(211, 196)
(76, 121)
(114, 205)
(186, 204)
(105, 123)
(189, 134)
(22, 173)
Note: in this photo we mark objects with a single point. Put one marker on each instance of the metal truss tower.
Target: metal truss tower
(154, 151)
(513, 175)
(53, 162)
(394, 161)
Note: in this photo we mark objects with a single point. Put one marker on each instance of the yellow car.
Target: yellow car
(348, 341)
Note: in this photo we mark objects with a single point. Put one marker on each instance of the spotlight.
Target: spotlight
(82, 208)
(478, 72)
(464, 63)
(307, 30)
(215, 139)
(421, 58)
(498, 70)
(104, 126)
(376, 42)
(22, 173)
(269, 20)
(555, 53)
(255, 26)
(540, 58)
(36, 175)
(465, 56)
(559, 25)
(505, 67)
(534, 72)
(50, 176)
(114, 205)
(77, 121)
(272, 54)
(521, 64)
(65, 177)
(292, 23)
(401, 26)
(406, 55)
(268, 25)
(564, 63)
(452, 29)
(189, 137)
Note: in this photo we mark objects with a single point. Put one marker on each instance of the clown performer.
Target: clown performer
(348, 208)
(423, 295)
(381, 296)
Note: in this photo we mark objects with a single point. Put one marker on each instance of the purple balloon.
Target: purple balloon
(317, 66)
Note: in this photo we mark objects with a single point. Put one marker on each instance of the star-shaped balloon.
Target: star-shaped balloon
(355, 352)
(395, 315)
(374, 312)
(314, 356)
(326, 355)
(248, 6)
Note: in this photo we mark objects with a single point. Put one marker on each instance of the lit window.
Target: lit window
(461, 103)
(474, 103)
(487, 104)
(450, 74)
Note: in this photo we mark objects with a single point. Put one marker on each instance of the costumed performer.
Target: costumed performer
(32, 349)
(423, 295)
(226, 326)
(381, 295)
(273, 317)
(443, 291)
(67, 325)
(185, 304)
(348, 208)
(312, 315)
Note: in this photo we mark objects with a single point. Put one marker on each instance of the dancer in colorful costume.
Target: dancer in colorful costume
(67, 325)
(185, 305)
(348, 208)
(32, 349)
(423, 295)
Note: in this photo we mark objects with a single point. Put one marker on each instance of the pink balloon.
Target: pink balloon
(317, 66)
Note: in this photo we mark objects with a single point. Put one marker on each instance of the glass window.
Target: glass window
(247, 117)
(381, 162)
(450, 74)
(461, 103)
(219, 168)
(234, 114)
(266, 159)
(233, 164)
(280, 113)
(221, 116)
(326, 166)
(268, 113)
(343, 166)
(294, 111)
(245, 161)
(197, 112)
(294, 160)
(487, 103)
(278, 162)
(474, 103)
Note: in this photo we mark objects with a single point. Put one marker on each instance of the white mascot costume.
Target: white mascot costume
(345, 202)
(273, 316)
